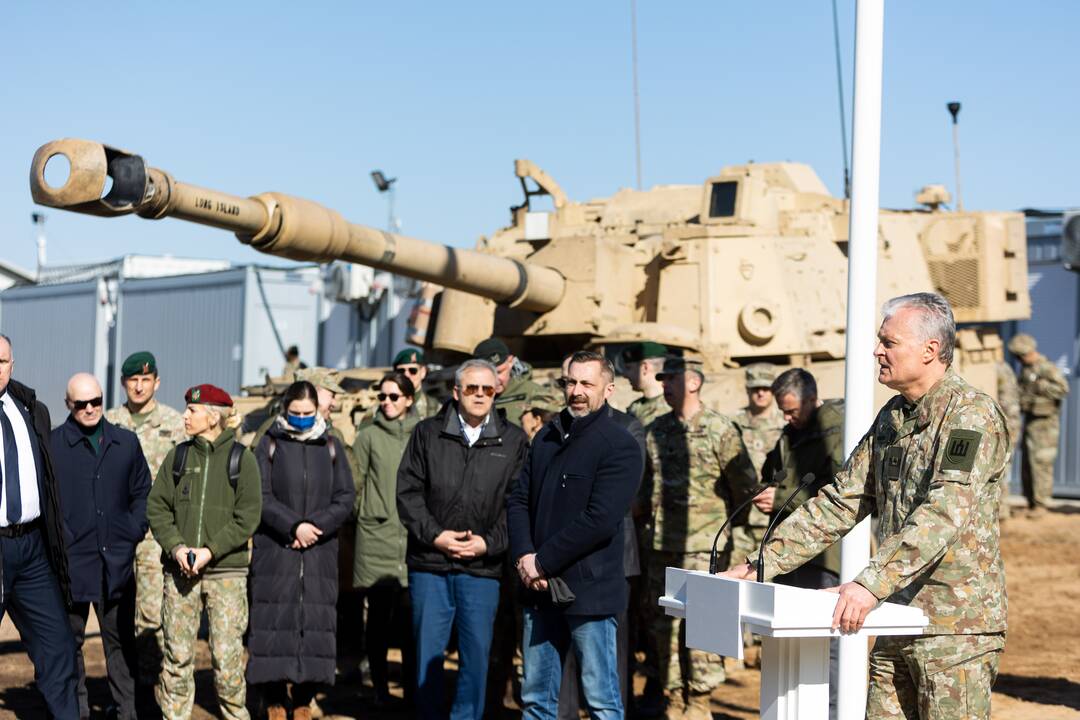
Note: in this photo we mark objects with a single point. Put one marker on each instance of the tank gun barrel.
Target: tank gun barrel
(281, 225)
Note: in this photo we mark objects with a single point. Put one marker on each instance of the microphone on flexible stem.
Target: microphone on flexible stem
(714, 559)
(807, 480)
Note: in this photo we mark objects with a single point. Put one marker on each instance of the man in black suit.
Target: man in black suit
(565, 517)
(35, 578)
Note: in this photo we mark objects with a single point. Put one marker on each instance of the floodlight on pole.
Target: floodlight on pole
(386, 185)
(954, 110)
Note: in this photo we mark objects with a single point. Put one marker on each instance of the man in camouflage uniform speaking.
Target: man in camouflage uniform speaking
(929, 467)
(697, 469)
(1042, 386)
(158, 428)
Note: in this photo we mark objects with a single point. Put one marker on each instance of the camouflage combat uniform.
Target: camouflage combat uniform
(162, 429)
(1042, 386)
(1008, 398)
(648, 409)
(930, 471)
(759, 434)
(202, 509)
(695, 472)
(520, 394)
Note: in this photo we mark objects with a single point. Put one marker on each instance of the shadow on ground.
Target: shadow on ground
(1043, 690)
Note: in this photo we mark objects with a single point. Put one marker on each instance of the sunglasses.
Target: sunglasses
(393, 397)
(409, 370)
(488, 390)
(78, 405)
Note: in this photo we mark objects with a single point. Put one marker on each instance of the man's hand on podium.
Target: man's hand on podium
(745, 571)
(854, 605)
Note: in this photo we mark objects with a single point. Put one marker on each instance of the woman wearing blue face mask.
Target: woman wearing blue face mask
(307, 495)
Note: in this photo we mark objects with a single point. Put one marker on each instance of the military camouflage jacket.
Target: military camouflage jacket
(157, 435)
(520, 393)
(1009, 400)
(817, 448)
(930, 471)
(424, 405)
(696, 472)
(760, 432)
(648, 409)
(1042, 386)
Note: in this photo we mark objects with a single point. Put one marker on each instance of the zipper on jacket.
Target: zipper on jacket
(202, 496)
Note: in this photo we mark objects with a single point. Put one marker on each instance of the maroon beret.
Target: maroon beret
(207, 394)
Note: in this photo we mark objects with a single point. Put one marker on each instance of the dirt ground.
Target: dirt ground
(1039, 674)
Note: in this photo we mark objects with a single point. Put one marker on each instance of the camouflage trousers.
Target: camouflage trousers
(678, 667)
(933, 677)
(1040, 453)
(149, 589)
(227, 607)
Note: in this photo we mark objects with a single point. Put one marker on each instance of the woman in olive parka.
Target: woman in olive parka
(379, 566)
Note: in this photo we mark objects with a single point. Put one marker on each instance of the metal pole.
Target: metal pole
(861, 313)
(39, 224)
(954, 110)
(637, 101)
(840, 100)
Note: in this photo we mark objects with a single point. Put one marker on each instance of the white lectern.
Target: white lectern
(795, 626)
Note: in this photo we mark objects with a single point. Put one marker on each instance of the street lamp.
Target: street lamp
(954, 110)
(386, 185)
(39, 224)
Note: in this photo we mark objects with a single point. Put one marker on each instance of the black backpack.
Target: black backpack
(236, 452)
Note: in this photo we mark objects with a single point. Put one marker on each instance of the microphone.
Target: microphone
(807, 480)
(714, 559)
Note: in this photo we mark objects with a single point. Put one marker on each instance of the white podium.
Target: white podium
(795, 626)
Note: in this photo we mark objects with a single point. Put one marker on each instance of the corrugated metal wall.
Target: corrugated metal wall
(56, 331)
(192, 323)
(292, 299)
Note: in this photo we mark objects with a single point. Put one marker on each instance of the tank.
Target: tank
(748, 266)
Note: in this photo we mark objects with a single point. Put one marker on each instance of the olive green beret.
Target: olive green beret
(408, 356)
(674, 365)
(643, 351)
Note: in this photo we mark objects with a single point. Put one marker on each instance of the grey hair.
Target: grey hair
(795, 381)
(474, 364)
(11, 345)
(937, 322)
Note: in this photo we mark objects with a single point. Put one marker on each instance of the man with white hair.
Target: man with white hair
(929, 467)
(104, 481)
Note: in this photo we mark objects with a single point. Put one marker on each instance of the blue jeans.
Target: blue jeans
(549, 634)
(440, 602)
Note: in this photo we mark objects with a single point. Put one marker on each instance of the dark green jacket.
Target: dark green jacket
(202, 510)
(520, 394)
(381, 538)
(818, 448)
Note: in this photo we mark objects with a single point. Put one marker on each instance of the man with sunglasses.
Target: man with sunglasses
(411, 362)
(33, 564)
(451, 495)
(104, 481)
(159, 428)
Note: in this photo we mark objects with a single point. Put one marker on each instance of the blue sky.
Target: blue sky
(309, 98)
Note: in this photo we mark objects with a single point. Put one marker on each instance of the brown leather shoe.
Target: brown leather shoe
(277, 712)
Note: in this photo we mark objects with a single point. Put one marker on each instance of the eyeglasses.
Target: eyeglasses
(393, 397)
(78, 405)
(409, 369)
(488, 390)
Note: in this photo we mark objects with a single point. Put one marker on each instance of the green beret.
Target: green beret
(408, 356)
(140, 363)
(643, 351)
(493, 350)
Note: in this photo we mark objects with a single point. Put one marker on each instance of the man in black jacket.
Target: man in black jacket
(452, 486)
(565, 517)
(34, 566)
(104, 480)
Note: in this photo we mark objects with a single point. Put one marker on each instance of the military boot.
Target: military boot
(676, 706)
(698, 707)
(302, 713)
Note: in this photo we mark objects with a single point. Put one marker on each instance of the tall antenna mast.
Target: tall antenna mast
(840, 99)
(637, 101)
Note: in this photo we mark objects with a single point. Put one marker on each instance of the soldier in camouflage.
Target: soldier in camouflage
(411, 362)
(697, 469)
(518, 391)
(929, 467)
(641, 363)
(159, 428)
(760, 424)
(1042, 387)
(1008, 398)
